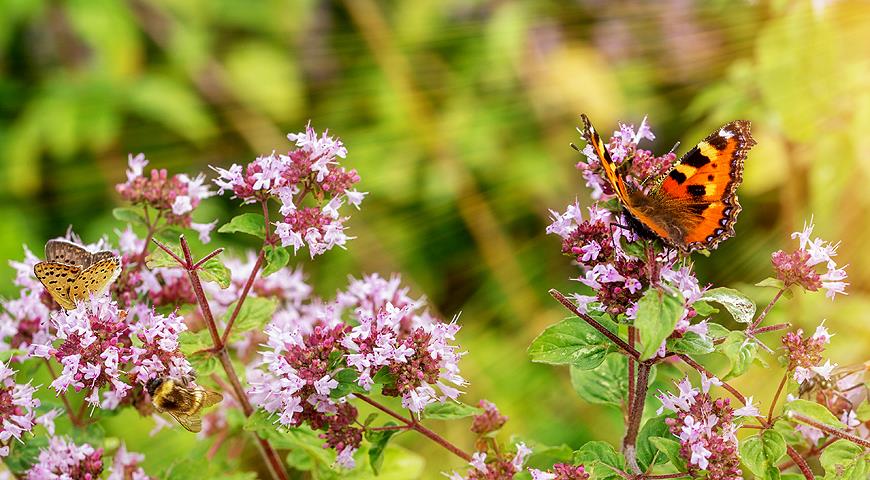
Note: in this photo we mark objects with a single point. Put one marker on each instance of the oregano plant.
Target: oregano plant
(297, 369)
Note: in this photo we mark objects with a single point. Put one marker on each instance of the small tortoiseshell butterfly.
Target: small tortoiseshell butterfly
(694, 206)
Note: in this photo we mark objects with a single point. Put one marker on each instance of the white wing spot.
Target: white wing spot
(725, 133)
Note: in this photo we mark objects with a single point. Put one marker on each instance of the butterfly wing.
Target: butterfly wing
(57, 278)
(62, 251)
(701, 190)
(95, 279)
(591, 136)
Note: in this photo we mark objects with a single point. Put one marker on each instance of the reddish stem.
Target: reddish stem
(776, 396)
(812, 453)
(274, 463)
(626, 348)
(667, 475)
(171, 253)
(831, 430)
(769, 328)
(700, 368)
(207, 258)
(801, 463)
(632, 334)
(414, 425)
(767, 309)
(630, 440)
(244, 295)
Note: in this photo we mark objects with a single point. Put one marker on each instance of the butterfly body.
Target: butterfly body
(695, 205)
(70, 272)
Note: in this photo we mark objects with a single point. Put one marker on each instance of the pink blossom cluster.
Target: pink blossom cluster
(812, 265)
(494, 465)
(94, 344)
(310, 185)
(706, 429)
(639, 164)
(561, 471)
(24, 318)
(18, 410)
(489, 421)
(804, 354)
(410, 353)
(173, 197)
(65, 459)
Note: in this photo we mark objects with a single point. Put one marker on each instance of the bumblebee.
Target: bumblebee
(184, 403)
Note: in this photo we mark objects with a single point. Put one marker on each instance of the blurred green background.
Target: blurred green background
(458, 117)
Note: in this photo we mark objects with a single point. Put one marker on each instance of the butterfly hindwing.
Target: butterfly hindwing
(57, 278)
(704, 185)
(95, 279)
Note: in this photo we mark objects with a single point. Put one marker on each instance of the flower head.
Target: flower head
(65, 459)
(812, 265)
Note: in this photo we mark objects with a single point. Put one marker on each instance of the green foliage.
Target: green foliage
(255, 313)
(813, 411)
(276, 259)
(599, 457)
(740, 350)
(249, 223)
(760, 453)
(657, 315)
(738, 305)
(647, 452)
(450, 410)
(843, 460)
(606, 384)
(572, 342)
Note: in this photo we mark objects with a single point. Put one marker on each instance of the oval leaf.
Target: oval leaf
(657, 315)
(250, 223)
(571, 342)
(738, 305)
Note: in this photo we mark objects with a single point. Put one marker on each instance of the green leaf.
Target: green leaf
(761, 452)
(23, 455)
(786, 429)
(600, 457)
(346, 379)
(771, 282)
(691, 343)
(250, 223)
(740, 350)
(160, 259)
(384, 377)
(814, 411)
(379, 441)
(738, 305)
(634, 249)
(305, 445)
(190, 342)
(714, 331)
(671, 449)
(704, 309)
(605, 384)
(276, 259)
(449, 410)
(572, 342)
(863, 411)
(843, 460)
(215, 271)
(131, 215)
(254, 315)
(647, 453)
(205, 363)
(657, 315)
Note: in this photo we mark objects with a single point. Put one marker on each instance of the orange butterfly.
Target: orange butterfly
(694, 207)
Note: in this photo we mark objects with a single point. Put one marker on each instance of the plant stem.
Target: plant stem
(276, 468)
(700, 368)
(414, 425)
(801, 463)
(830, 430)
(208, 257)
(244, 295)
(630, 440)
(812, 453)
(666, 475)
(770, 328)
(776, 396)
(632, 334)
(76, 421)
(622, 344)
(767, 309)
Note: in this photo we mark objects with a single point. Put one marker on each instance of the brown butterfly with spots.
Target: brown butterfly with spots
(694, 207)
(71, 273)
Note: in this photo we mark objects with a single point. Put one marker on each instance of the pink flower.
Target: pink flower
(63, 459)
(801, 267)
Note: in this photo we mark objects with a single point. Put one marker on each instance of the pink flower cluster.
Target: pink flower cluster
(174, 197)
(561, 471)
(405, 349)
(801, 267)
(706, 429)
(623, 147)
(18, 410)
(311, 170)
(93, 344)
(65, 459)
(804, 354)
(499, 466)
(23, 318)
(162, 286)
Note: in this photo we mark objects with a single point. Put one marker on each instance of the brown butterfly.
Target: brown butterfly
(694, 207)
(71, 273)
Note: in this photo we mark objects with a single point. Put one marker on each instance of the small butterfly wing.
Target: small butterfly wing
(57, 278)
(62, 251)
(95, 279)
(100, 256)
(591, 136)
(702, 187)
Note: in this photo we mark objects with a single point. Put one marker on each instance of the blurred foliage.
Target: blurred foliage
(458, 117)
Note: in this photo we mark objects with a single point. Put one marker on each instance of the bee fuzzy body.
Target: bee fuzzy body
(184, 403)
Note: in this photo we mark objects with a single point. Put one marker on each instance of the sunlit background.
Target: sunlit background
(458, 116)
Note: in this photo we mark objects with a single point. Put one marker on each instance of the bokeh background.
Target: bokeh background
(458, 116)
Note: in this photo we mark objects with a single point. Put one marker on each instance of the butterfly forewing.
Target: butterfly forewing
(57, 278)
(62, 251)
(95, 279)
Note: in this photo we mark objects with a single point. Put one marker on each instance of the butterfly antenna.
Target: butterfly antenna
(575, 147)
(674, 148)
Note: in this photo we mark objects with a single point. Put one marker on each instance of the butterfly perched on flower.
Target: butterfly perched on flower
(694, 206)
(71, 273)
